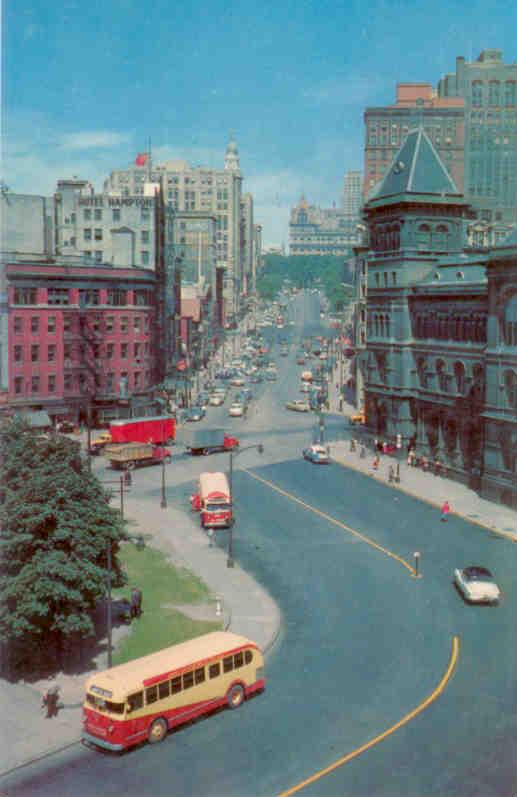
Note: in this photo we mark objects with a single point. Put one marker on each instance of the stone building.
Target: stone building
(428, 364)
(320, 231)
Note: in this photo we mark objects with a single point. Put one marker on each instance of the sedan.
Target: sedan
(477, 585)
(237, 381)
(237, 409)
(316, 454)
(298, 405)
(194, 414)
(216, 399)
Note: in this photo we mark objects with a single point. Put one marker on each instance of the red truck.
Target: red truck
(155, 429)
(213, 501)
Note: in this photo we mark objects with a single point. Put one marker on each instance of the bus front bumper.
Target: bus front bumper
(89, 739)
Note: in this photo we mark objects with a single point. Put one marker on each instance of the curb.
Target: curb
(345, 464)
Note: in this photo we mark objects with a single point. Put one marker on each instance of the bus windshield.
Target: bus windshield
(217, 507)
(107, 706)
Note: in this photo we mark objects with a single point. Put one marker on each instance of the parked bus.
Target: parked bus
(146, 697)
(154, 429)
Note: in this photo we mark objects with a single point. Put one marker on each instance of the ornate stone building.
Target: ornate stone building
(428, 365)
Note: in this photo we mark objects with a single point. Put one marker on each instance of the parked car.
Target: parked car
(237, 409)
(477, 585)
(298, 405)
(317, 454)
(194, 414)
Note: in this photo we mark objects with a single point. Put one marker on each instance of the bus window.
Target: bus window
(176, 685)
(151, 694)
(135, 701)
(238, 660)
(164, 690)
(248, 656)
(199, 675)
(214, 670)
(188, 680)
(228, 664)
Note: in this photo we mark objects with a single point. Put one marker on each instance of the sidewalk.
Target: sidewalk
(244, 608)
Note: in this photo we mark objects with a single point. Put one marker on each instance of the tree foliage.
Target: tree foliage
(328, 272)
(55, 530)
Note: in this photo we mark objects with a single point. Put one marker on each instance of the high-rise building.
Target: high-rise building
(247, 242)
(416, 105)
(352, 193)
(488, 88)
(217, 192)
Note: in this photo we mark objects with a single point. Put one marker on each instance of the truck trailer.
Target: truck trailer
(154, 429)
(127, 456)
(206, 441)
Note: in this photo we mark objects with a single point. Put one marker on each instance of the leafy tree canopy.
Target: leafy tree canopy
(327, 272)
(55, 529)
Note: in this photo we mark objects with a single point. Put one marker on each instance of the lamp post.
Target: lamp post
(260, 449)
(163, 502)
(140, 544)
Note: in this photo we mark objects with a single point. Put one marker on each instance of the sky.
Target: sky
(86, 85)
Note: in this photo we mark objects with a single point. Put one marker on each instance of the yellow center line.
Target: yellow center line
(333, 520)
(407, 718)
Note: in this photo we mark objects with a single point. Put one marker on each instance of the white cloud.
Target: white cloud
(94, 139)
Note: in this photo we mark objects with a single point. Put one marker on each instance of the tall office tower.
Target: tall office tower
(488, 88)
(247, 243)
(417, 104)
(197, 188)
(352, 193)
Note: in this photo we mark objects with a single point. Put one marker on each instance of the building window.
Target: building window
(423, 237)
(510, 93)
(87, 215)
(67, 351)
(35, 325)
(97, 214)
(87, 233)
(110, 322)
(97, 234)
(18, 384)
(377, 280)
(477, 93)
(494, 92)
(137, 323)
(89, 297)
(51, 324)
(137, 379)
(442, 375)
(459, 377)
(51, 352)
(441, 238)
(25, 296)
(35, 384)
(124, 324)
(394, 277)
(35, 353)
(137, 350)
(51, 383)
(58, 296)
(68, 382)
(510, 382)
(117, 297)
(123, 350)
(67, 323)
(110, 382)
(110, 351)
(18, 353)
(145, 236)
(98, 256)
(18, 325)
(116, 214)
(145, 257)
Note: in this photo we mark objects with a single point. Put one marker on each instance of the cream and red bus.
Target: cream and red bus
(144, 698)
(213, 501)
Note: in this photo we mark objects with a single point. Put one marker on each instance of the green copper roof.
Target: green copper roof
(416, 169)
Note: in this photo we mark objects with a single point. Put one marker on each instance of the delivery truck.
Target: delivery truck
(154, 429)
(213, 501)
(206, 441)
(127, 456)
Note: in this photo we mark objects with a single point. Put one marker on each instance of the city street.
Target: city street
(366, 647)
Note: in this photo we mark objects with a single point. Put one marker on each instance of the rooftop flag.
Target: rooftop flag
(141, 159)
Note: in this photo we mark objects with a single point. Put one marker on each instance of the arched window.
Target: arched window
(510, 321)
(494, 92)
(459, 376)
(441, 238)
(441, 372)
(477, 93)
(396, 237)
(510, 93)
(423, 237)
(421, 369)
(510, 384)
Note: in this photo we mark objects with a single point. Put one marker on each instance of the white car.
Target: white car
(237, 381)
(298, 405)
(477, 585)
(216, 399)
(236, 409)
(317, 454)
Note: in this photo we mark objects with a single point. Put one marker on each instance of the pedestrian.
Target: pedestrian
(445, 511)
(136, 602)
(411, 457)
(376, 461)
(50, 701)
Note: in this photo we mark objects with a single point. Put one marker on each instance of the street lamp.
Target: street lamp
(139, 544)
(163, 502)
(260, 449)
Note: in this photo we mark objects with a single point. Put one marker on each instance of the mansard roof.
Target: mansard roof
(416, 170)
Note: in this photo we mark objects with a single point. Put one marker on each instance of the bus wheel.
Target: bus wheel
(157, 731)
(235, 696)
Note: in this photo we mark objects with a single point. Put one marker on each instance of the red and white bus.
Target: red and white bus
(213, 501)
(146, 697)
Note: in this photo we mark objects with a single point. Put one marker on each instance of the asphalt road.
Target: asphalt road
(364, 643)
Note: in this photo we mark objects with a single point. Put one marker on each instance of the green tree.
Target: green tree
(55, 529)
(328, 272)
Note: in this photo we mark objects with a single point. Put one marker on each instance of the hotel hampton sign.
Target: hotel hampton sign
(116, 201)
